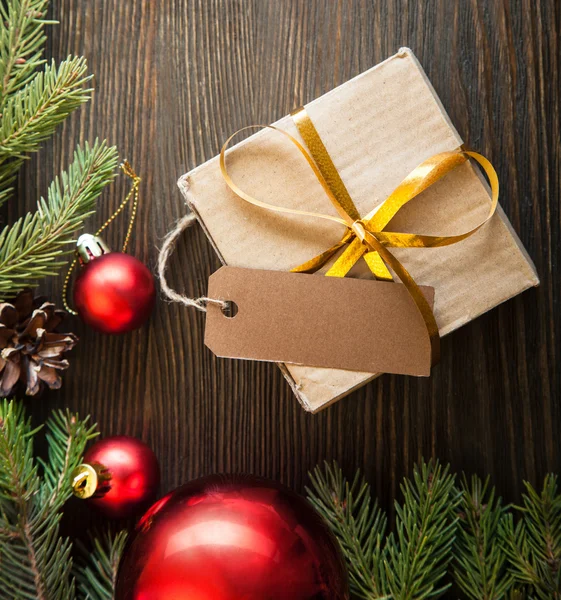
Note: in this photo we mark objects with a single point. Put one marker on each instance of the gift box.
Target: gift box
(377, 128)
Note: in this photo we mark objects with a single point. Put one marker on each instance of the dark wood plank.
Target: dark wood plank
(173, 80)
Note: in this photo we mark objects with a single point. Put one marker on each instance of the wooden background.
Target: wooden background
(173, 79)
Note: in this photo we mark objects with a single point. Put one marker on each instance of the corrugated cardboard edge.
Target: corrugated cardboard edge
(184, 186)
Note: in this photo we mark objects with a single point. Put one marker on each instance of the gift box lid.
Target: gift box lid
(377, 128)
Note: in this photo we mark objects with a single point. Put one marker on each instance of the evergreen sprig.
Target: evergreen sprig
(35, 245)
(358, 524)
(406, 565)
(444, 531)
(418, 556)
(33, 102)
(481, 565)
(21, 43)
(97, 574)
(534, 544)
(35, 562)
(31, 114)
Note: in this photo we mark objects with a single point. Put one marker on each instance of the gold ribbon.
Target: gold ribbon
(366, 236)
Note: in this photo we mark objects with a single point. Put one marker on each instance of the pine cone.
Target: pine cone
(30, 350)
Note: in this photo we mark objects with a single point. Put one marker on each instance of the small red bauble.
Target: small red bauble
(232, 537)
(114, 292)
(120, 476)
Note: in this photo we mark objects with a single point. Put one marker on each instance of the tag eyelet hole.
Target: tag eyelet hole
(230, 310)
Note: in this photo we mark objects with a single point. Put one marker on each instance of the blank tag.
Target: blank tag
(341, 323)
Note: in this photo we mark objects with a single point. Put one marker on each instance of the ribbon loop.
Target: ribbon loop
(366, 236)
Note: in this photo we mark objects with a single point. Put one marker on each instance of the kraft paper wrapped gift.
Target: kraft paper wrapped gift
(377, 128)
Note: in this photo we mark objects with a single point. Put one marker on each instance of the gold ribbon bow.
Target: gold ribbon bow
(365, 236)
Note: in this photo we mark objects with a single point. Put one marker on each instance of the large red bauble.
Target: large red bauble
(231, 538)
(134, 475)
(114, 293)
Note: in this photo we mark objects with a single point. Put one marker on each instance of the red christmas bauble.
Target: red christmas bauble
(232, 537)
(114, 293)
(129, 476)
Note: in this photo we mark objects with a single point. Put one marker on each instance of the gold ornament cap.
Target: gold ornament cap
(90, 481)
(89, 247)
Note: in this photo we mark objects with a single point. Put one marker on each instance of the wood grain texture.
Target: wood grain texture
(173, 79)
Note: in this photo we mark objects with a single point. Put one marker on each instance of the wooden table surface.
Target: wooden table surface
(173, 79)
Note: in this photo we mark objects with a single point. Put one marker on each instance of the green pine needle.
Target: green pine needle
(31, 114)
(534, 544)
(21, 43)
(443, 531)
(32, 104)
(408, 565)
(358, 524)
(35, 245)
(97, 575)
(481, 566)
(419, 553)
(18, 472)
(67, 437)
(35, 562)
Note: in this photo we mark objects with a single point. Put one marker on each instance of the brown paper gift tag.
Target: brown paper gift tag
(345, 323)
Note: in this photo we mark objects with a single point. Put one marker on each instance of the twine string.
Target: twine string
(166, 251)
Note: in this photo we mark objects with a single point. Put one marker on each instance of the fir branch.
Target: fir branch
(31, 115)
(34, 246)
(481, 563)
(36, 562)
(97, 575)
(408, 566)
(419, 554)
(18, 472)
(21, 43)
(534, 544)
(358, 524)
(67, 438)
(19, 487)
